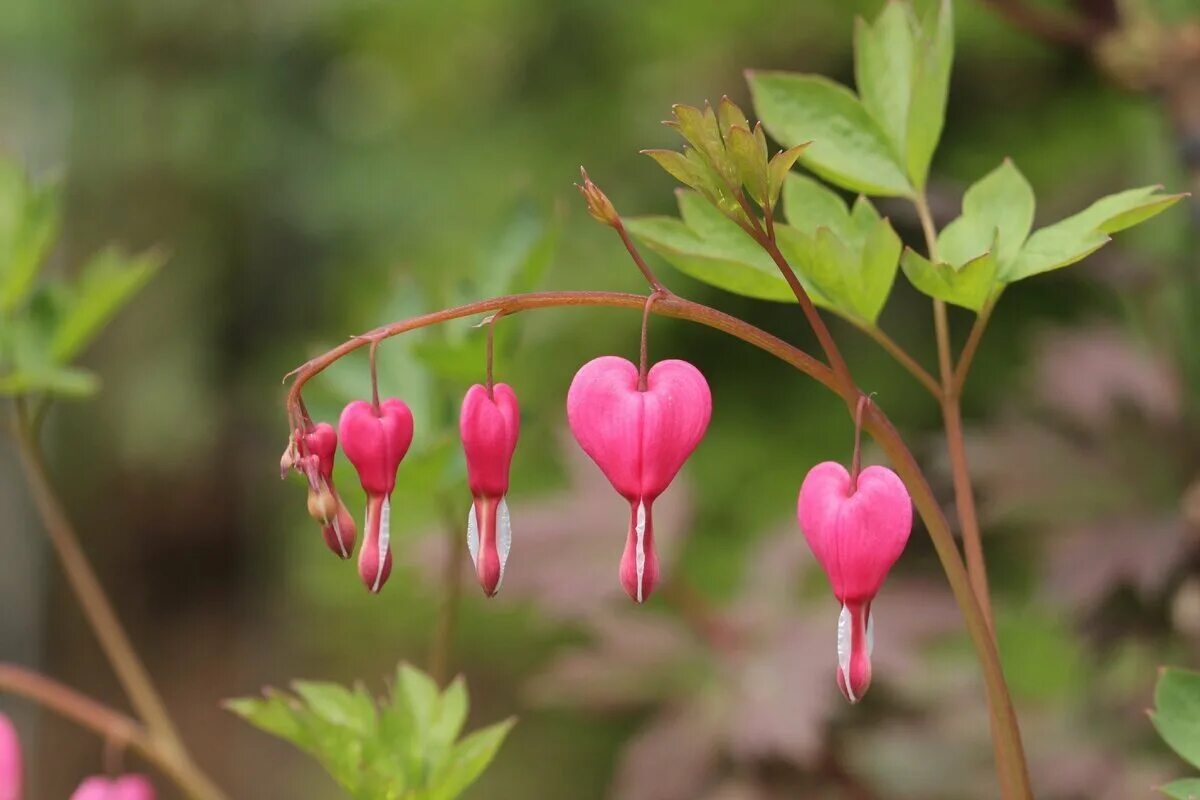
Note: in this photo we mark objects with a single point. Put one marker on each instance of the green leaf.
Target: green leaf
(930, 88)
(69, 382)
(809, 204)
(780, 165)
(711, 248)
(1186, 789)
(848, 148)
(276, 714)
(750, 164)
(997, 215)
(108, 281)
(1176, 712)
(1074, 238)
(884, 54)
(29, 222)
(470, 759)
(969, 286)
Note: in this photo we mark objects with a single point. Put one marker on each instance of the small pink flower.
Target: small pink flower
(126, 787)
(11, 767)
(489, 426)
(375, 440)
(312, 454)
(857, 531)
(639, 439)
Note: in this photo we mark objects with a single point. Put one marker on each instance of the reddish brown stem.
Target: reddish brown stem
(856, 459)
(644, 352)
(374, 377)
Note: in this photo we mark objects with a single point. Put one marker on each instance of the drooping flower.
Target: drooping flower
(857, 529)
(126, 787)
(489, 425)
(375, 440)
(639, 438)
(312, 454)
(11, 767)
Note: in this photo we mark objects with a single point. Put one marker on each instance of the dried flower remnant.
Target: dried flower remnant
(376, 437)
(639, 432)
(311, 453)
(489, 424)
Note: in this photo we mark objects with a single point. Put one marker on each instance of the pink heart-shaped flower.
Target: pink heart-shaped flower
(490, 426)
(857, 531)
(126, 787)
(639, 439)
(376, 441)
(11, 766)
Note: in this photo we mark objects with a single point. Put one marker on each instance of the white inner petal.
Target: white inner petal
(845, 644)
(473, 536)
(870, 634)
(640, 556)
(337, 534)
(385, 535)
(503, 537)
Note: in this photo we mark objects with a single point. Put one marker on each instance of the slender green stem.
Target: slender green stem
(103, 619)
(1010, 756)
(972, 345)
(442, 648)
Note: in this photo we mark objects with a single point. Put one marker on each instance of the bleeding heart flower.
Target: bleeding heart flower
(11, 767)
(127, 787)
(857, 530)
(375, 441)
(639, 438)
(489, 426)
(312, 454)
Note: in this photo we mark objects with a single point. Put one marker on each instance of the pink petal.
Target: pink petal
(11, 767)
(489, 427)
(376, 444)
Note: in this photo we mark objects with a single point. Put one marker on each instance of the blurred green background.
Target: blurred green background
(319, 167)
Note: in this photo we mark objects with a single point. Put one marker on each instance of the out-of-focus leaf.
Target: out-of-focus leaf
(934, 56)
(1176, 712)
(968, 286)
(848, 148)
(29, 221)
(404, 749)
(711, 248)
(108, 281)
(69, 382)
(1186, 789)
(1076, 237)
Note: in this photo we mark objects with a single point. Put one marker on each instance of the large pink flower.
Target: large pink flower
(639, 439)
(11, 767)
(857, 531)
(375, 441)
(490, 425)
(126, 787)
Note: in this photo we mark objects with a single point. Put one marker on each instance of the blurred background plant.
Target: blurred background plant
(318, 168)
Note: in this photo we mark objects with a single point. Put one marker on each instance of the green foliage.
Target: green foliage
(882, 140)
(848, 255)
(402, 747)
(1176, 715)
(43, 328)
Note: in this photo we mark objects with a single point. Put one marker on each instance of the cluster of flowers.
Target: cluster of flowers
(124, 787)
(638, 427)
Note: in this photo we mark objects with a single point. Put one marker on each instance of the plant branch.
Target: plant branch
(116, 728)
(442, 647)
(903, 358)
(1053, 27)
(972, 345)
(101, 616)
(1010, 756)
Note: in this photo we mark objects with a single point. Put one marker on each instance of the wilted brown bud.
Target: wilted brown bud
(322, 505)
(599, 206)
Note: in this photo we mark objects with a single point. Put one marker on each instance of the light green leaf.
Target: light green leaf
(1176, 712)
(711, 248)
(730, 116)
(848, 148)
(780, 165)
(276, 714)
(930, 87)
(1186, 789)
(997, 216)
(879, 260)
(810, 204)
(470, 759)
(969, 286)
(106, 283)
(751, 166)
(884, 52)
(29, 221)
(338, 705)
(1052, 248)
(69, 382)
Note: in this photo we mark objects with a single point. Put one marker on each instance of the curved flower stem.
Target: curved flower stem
(1010, 756)
(903, 358)
(101, 616)
(117, 729)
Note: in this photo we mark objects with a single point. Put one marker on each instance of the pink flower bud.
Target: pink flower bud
(375, 441)
(857, 532)
(127, 787)
(312, 454)
(11, 767)
(489, 427)
(639, 439)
